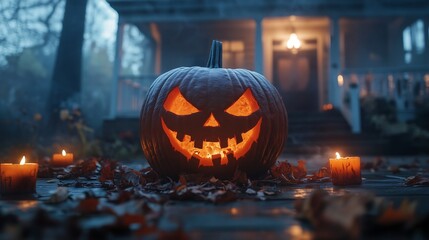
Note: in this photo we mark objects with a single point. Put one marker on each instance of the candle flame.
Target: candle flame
(22, 161)
(338, 155)
(64, 153)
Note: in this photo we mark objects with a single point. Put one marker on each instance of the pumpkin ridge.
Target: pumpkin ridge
(236, 78)
(278, 104)
(166, 163)
(148, 145)
(266, 151)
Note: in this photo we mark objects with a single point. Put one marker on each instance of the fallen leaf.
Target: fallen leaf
(250, 191)
(403, 214)
(299, 171)
(374, 165)
(178, 234)
(287, 174)
(221, 196)
(107, 171)
(321, 175)
(393, 169)
(416, 180)
(59, 195)
(334, 217)
(88, 206)
(280, 170)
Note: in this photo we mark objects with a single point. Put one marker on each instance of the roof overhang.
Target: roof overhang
(194, 10)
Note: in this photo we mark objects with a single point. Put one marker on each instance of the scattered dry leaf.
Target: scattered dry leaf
(391, 216)
(88, 206)
(321, 175)
(416, 180)
(59, 195)
(107, 172)
(300, 171)
(393, 169)
(374, 165)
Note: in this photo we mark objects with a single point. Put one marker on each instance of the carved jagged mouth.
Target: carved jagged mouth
(211, 153)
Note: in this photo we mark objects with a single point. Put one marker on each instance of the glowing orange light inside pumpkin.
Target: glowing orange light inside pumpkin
(211, 122)
(244, 106)
(212, 150)
(177, 103)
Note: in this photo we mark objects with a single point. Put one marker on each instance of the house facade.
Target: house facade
(319, 54)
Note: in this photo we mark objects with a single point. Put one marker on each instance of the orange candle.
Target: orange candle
(345, 170)
(63, 159)
(18, 178)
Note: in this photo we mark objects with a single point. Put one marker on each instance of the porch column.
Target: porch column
(116, 68)
(334, 63)
(258, 61)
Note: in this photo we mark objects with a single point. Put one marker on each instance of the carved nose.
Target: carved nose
(211, 122)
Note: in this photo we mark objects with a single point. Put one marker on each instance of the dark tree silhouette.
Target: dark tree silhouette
(66, 77)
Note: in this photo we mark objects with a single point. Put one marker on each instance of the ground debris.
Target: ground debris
(354, 216)
(60, 195)
(417, 180)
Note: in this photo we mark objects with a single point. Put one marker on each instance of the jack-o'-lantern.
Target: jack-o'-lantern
(212, 120)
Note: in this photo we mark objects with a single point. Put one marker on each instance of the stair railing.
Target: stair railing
(350, 102)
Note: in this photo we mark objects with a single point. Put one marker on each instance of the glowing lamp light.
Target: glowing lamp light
(293, 42)
(64, 153)
(340, 80)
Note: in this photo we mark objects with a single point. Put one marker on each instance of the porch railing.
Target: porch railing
(403, 86)
(350, 105)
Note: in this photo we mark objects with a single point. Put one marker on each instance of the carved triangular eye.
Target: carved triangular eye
(177, 103)
(244, 106)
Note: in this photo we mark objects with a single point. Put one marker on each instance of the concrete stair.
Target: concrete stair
(309, 133)
(328, 132)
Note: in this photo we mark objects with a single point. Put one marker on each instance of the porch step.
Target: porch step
(327, 132)
(309, 133)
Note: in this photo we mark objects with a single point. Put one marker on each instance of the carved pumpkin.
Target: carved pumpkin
(212, 120)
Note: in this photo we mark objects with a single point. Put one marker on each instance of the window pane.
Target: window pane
(407, 57)
(132, 51)
(406, 39)
(418, 36)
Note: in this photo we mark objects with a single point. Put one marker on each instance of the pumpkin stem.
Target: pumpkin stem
(215, 58)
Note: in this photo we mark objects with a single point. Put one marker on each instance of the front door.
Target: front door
(295, 77)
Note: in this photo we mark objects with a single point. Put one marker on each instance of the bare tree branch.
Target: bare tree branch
(28, 24)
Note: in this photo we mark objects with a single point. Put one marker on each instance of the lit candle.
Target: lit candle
(63, 159)
(345, 170)
(18, 178)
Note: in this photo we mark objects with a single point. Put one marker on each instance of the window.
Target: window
(406, 39)
(413, 40)
(132, 51)
(418, 33)
(233, 54)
